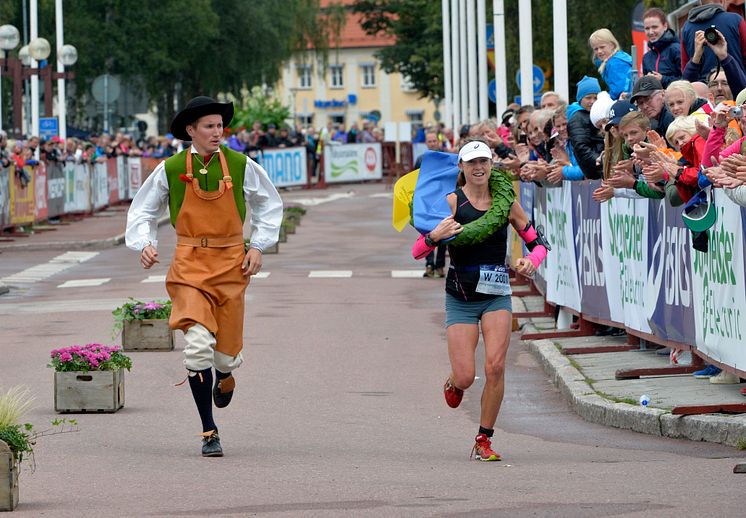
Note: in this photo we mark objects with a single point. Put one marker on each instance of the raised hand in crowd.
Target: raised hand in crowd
(523, 152)
(656, 140)
(622, 179)
(654, 173)
(560, 155)
(512, 162)
(699, 46)
(734, 166)
(643, 150)
(603, 193)
(623, 167)
(555, 175)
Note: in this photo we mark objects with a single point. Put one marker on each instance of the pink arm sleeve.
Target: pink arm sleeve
(539, 253)
(420, 249)
(713, 145)
(732, 149)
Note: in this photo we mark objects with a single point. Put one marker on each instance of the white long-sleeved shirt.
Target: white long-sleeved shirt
(737, 195)
(150, 202)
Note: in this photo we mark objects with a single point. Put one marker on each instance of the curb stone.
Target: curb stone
(107, 242)
(718, 428)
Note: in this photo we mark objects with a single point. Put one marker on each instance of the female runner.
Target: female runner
(477, 284)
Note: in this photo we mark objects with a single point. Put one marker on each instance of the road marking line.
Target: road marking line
(154, 278)
(261, 275)
(329, 274)
(54, 266)
(381, 195)
(325, 199)
(406, 274)
(79, 283)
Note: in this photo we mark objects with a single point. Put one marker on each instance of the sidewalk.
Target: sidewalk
(588, 383)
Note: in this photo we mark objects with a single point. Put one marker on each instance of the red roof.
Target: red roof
(352, 35)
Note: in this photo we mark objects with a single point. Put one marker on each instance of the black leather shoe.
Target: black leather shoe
(222, 392)
(211, 445)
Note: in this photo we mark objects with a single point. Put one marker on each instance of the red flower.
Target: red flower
(184, 178)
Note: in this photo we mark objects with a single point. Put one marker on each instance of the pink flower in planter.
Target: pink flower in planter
(66, 357)
(152, 306)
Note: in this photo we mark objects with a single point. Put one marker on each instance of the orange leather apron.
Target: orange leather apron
(205, 281)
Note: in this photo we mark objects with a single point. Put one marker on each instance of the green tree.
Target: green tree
(176, 49)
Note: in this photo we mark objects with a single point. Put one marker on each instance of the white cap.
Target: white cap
(600, 109)
(474, 150)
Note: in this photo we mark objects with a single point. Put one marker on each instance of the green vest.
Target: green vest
(176, 165)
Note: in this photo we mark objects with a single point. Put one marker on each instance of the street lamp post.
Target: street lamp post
(9, 39)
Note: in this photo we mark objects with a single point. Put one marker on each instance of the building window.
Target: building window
(336, 72)
(337, 118)
(305, 119)
(406, 84)
(416, 118)
(369, 76)
(304, 76)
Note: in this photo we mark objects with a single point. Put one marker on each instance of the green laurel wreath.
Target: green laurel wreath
(503, 196)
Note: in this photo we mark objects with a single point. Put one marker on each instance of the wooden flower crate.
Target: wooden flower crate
(147, 335)
(8, 479)
(94, 391)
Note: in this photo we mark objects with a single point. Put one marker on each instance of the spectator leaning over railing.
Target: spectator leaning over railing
(663, 60)
(585, 138)
(725, 69)
(4, 153)
(614, 65)
(730, 26)
(564, 165)
(681, 100)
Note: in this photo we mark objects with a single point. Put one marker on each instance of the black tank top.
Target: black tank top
(463, 274)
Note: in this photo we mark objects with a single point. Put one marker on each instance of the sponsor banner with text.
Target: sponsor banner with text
(40, 192)
(286, 167)
(5, 175)
(561, 274)
(352, 162)
(55, 190)
(22, 197)
(77, 188)
(100, 186)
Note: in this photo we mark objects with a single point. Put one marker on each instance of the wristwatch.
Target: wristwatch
(429, 241)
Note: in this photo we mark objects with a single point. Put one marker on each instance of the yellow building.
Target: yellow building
(352, 87)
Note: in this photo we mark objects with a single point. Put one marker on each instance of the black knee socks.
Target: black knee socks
(221, 375)
(201, 384)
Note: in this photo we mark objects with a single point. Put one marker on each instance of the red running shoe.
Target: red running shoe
(743, 391)
(482, 449)
(453, 394)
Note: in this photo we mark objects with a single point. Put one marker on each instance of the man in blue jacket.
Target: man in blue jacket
(730, 25)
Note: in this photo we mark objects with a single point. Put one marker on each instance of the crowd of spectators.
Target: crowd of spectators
(674, 134)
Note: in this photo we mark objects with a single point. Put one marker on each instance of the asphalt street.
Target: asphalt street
(338, 409)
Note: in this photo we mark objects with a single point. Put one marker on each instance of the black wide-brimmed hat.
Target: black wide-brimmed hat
(196, 108)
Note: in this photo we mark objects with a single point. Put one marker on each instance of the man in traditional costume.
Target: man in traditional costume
(207, 188)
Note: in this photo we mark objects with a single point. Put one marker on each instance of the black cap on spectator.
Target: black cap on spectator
(646, 86)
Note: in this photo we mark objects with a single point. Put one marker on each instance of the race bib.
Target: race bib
(494, 280)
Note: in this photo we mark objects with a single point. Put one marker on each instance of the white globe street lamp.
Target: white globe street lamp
(24, 56)
(9, 37)
(39, 49)
(68, 55)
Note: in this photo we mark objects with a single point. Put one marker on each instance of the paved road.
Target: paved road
(338, 411)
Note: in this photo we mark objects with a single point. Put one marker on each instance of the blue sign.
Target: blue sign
(285, 166)
(490, 37)
(538, 79)
(537, 100)
(492, 91)
(49, 127)
(319, 103)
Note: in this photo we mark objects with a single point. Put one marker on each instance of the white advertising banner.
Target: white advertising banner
(286, 167)
(352, 162)
(77, 188)
(123, 178)
(624, 233)
(134, 174)
(718, 286)
(100, 186)
(561, 263)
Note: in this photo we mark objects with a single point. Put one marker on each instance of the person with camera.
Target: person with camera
(727, 73)
(715, 24)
